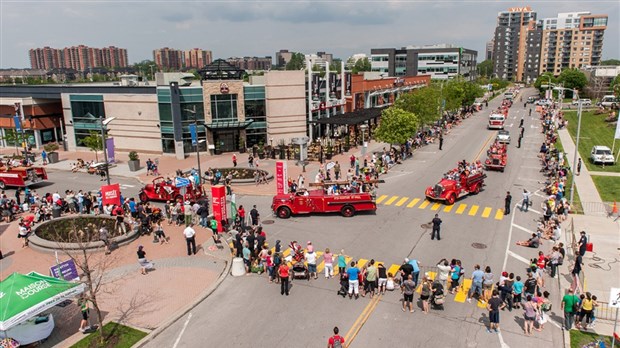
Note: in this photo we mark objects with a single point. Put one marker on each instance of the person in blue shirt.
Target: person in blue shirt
(354, 283)
(476, 283)
(517, 290)
(132, 208)
(454, 277)
(416, 270)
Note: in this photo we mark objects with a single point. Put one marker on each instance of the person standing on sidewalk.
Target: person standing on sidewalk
(337, 170)
(494, 305)
(507, 202)
(283, 273)
(190, 239)
(436, 227)
(254, 215)
(234, 160)
(407, 288)
(578, 166)
(440, 140)
(568, 305)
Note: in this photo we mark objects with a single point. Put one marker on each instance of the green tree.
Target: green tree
(336, 65)
(424, 103)
(544, 79)
(396, 126)
(144, 68)
(615, 85)
(614, 62)
(361, 65)
(93, 142)
(485, 68)
(297, 61)
(573, 79)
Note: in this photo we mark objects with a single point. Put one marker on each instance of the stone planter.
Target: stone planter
(52, 157)
(134, 165)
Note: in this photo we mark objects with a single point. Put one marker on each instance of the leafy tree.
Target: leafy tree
(424, 103)
(145, 68)
(544, 79)
(485, 68)
(297, 61)
(459, 92)
(573, 79)
(614, 62)
(93, 142)
(361, 65)
(336, 65)
(396, 126)
(615, 85)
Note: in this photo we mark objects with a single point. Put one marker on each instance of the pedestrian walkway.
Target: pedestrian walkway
(605, 174)
(471, 210)
(585, 186)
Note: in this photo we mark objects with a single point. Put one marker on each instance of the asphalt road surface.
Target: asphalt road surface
(249, 312)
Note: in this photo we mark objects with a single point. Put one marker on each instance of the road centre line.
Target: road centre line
(361, 320)
(484, 146)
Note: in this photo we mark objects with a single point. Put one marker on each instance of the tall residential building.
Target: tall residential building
(442, 62)
(168, 58)
(197, 58)
(80, 57)
(488, 53)
(510, 42)
(571, 40)
(282, 58)
(251, 63)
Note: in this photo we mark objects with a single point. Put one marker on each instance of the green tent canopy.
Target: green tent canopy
(23, 296)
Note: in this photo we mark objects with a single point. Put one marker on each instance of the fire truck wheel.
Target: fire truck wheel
(284, 212)
(451, 199)
(347, 211)
(477, 189)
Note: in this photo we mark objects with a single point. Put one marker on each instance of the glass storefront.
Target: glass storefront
(85, 113)
(191, 100)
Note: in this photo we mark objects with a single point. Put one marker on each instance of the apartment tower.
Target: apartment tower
(510, 42)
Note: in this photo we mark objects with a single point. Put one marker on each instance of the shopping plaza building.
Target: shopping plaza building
(229, 112)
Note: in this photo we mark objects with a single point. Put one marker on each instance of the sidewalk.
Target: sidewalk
(145, 302)
(583, 182)
(604, 174)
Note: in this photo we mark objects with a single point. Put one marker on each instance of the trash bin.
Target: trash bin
(56, 212)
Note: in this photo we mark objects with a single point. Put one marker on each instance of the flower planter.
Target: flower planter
(134, 165)
(52, 157)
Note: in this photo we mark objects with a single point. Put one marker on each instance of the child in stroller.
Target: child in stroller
(344, 285)
(299, 269)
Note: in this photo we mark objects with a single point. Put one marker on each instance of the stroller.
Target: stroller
(344, 285)
(438, 297)
(299, 269)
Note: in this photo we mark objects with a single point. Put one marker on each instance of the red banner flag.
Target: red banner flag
(281, 178)
(218, 195)
(111, 194)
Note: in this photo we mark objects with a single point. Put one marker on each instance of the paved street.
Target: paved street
(248, 311)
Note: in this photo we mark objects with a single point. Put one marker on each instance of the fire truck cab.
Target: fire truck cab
(21, 176)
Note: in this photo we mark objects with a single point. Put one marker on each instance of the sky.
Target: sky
(262, 27)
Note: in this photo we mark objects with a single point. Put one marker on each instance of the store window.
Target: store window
(224, 107)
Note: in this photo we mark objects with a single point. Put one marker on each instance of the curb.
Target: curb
(181, 312)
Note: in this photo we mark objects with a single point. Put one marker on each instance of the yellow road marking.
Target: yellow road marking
(413, 203)
(381, 198)
(402, 201)
(484, 146)
(286, 252)
(461, 208)
(350, 336)
(393, 269)
(499, 214)
(361, 263)
(473, 210)
(448, 208)
(391, 200)
(461, 296)
(486, 212)
(347, 260)
(436, 206)
(424, 205)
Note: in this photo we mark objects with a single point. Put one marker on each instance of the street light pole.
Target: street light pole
(572, 184)
(193, 112)
(363, 128)
(104, 123)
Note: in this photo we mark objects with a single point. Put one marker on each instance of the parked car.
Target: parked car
(584, 102)
(543, 102)
(503, 137)
(531, 99)
(601, 154)
(609, 101)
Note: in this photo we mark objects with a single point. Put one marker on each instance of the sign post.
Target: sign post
(281, 178)
(614, 302)
(218, 195)
(65, 270)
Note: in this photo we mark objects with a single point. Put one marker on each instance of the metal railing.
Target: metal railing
(606, 208)
(604, 312)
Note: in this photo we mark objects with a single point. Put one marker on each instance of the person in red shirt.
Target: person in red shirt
(234, 160)
(241, 213)
(283, 273)
(336, 341)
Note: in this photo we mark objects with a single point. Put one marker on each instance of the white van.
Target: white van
(496, 121)
(609, 101)
(509, 95)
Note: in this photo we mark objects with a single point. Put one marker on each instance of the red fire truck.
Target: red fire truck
(449, 190)
(318, 201)
(21, 176)
(162, 190)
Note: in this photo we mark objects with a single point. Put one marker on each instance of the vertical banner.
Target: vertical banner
(617, 135)
(316, 84)
(218, 195)
(109, 144)
(347, 77)
(233, 207)
(332, 85)
(281, 178)
(192, 132)
(18, 125)
(111, 194)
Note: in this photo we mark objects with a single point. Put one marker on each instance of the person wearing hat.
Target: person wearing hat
(582, 244)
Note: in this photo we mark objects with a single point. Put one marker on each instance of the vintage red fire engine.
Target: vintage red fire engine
(456, 184)
(21, 176)
(318, 201)
(165, 190)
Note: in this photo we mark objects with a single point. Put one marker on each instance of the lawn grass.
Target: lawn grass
(117, 336)
(608, 187)
(579, 339)
(594, 131)
(577, 207)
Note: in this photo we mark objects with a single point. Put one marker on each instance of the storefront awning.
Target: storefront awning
(39, 122)
(229, 124)
(351, 118)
